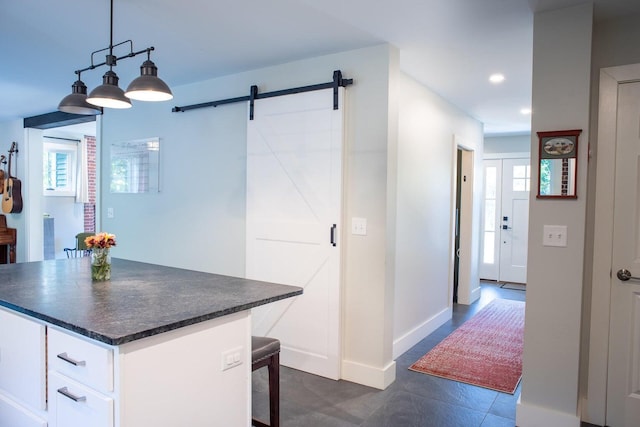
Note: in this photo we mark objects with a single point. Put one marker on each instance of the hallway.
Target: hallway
(414, 399)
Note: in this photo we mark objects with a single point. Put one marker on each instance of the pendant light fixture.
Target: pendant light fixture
(147, 87)
(76, 101)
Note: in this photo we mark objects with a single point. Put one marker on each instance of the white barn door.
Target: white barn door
(294, 211)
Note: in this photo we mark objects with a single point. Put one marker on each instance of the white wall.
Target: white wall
(507, 144)
(426, 164)
(561, 80)
(197, 220)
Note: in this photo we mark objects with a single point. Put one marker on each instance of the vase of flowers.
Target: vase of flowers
(100, 245)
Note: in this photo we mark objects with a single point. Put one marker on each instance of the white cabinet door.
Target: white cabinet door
(13, 415)
(294, 196)
(72, 404)
(22, 360)
(85, 361)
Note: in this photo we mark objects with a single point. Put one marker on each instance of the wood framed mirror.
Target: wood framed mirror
(558, 164)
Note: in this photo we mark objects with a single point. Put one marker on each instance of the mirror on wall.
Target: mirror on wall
(558, 164)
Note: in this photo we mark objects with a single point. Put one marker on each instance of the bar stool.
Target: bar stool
(266, 352)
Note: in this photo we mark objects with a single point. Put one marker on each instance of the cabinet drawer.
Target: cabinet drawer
(87, 362)
(72, 404)
(22, 359)
(12, 414)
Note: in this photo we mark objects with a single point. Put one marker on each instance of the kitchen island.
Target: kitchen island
(154, 346)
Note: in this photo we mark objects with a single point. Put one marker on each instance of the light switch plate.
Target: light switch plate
(555, 235)
(359, 226)
(232, 358)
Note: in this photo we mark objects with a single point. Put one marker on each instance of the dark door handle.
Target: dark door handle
(333, 235)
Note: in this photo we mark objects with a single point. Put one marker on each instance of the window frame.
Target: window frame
(71, 149)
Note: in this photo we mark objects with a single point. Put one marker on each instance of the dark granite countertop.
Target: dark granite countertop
(140, 300)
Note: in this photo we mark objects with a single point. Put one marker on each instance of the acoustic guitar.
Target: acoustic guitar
(12, 196)
(2, 163)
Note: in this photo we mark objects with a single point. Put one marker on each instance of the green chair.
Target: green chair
(81, 249)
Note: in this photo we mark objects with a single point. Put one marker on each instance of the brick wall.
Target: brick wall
(90, 208)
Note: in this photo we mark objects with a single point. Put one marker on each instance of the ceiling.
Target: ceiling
(450, 46)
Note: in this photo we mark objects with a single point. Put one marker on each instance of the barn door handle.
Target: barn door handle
(624, 275)
(333, 235)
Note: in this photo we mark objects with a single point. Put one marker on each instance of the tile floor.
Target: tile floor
(414, 399)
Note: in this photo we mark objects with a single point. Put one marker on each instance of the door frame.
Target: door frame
(594, 409)
(494, 157)
(466, 293)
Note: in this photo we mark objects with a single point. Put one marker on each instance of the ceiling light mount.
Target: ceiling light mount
(147, 87)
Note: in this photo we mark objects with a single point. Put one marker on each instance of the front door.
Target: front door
(294, 195)
(514, 221)
(505, 220)
(623, 388)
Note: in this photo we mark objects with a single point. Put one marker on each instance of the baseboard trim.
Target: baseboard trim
(370, 376)
(537, 416)
(414, 336)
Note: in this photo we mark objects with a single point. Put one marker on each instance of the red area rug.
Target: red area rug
(485, 351)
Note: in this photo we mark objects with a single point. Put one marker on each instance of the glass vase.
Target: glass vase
(100, 264)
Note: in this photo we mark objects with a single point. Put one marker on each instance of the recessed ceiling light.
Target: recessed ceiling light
(525, 111)
(496, 78)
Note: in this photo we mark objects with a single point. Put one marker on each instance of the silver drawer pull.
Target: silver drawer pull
(67, 359)
(65, 392)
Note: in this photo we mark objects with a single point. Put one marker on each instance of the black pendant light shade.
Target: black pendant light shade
(108, 94)
(76, 101)
(149, 87)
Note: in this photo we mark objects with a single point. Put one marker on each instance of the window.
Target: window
(59, 168)
(521, 178)
(490, 202)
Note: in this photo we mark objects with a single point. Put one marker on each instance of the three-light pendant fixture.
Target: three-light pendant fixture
(147, 87)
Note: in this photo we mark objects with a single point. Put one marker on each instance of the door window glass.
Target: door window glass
(521, 178)
(490, 185)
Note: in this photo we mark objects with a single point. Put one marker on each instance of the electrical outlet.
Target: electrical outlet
(232, 358)
(555, 235)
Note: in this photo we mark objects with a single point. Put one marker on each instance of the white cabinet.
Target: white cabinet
(14, 415)
(72, 404)
(85, 361)
(170, 379)
(80, 381)
(22, 371)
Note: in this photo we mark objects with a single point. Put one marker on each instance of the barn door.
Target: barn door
(294, 223)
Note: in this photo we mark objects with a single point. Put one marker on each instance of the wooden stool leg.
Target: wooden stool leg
(274, 390)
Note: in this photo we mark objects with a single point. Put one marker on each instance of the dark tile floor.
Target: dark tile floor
(414, 399)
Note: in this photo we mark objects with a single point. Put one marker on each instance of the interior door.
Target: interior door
(623, 388)
(294, 195)
(514, 221)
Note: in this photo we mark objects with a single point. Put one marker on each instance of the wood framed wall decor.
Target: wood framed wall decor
(558, 164)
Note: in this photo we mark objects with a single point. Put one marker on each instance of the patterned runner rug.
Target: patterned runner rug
(485, 351)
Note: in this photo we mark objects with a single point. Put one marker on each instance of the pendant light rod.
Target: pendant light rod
(131, 54)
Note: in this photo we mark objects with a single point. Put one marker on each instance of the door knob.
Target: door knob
(624, 275)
